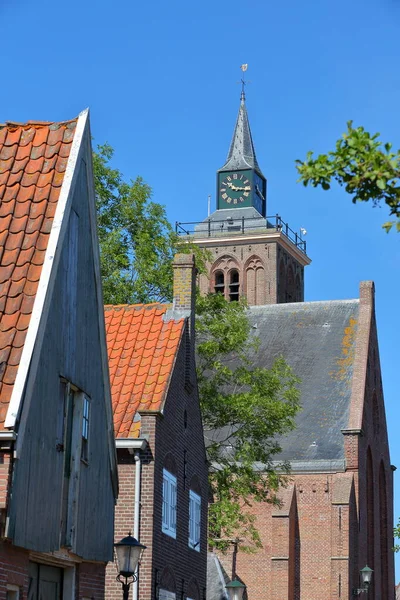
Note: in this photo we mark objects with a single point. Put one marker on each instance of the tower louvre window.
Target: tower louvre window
(219, 283)
(234, 285)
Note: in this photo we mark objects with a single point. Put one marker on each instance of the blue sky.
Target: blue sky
(160, 79)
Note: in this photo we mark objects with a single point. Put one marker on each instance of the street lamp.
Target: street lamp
(366, 577)
(128, 552)
(235, 589)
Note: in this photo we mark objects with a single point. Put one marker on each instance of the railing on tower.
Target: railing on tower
(240, 225)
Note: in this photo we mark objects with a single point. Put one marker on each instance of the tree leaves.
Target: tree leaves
(367, 169)
(244, 409)
(249, 404)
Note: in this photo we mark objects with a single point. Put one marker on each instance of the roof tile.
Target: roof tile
(29, 159)
(137, 340)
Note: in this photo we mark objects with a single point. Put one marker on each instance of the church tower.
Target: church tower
(253, 255)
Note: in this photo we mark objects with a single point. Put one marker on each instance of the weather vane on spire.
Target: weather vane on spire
(243, 81)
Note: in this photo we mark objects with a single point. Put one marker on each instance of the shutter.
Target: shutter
(172, 523)
(165, 504)
(194, 520)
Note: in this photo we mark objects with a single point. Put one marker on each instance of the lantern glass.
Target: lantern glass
(366, 575)
(235, 589)
(128, 552)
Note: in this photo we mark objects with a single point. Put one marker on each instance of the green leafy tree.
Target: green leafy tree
(137, 242)
(244, 409)
(250, 406)
(396, 533)
(367, 168)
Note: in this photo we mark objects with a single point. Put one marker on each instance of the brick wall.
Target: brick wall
(14, 569)
(5, 470)
(339, 522)
(166, 561)
(90, 581)
(268, 273)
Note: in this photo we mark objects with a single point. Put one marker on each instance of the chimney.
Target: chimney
(184, 301)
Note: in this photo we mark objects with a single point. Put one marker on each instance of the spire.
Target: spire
(242, 154)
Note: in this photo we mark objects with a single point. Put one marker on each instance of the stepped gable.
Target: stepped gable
(142, 348)
(318, 340)
(33, 160)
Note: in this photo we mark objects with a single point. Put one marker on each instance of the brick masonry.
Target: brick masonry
(334, 523)
(175, 441)
(269, 273)
(14, 570)
(168, 439)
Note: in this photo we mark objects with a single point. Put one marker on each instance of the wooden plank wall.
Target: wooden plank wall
(71, 350)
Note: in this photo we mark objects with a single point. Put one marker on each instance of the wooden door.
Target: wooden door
(45, 583)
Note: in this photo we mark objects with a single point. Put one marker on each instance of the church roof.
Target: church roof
(318, 340)
(242, 154)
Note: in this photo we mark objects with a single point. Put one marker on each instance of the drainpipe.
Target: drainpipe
(136, 514)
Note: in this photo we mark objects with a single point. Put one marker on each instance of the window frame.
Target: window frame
(169, 503)
(15, 591)
(85, 428)
(194, 525)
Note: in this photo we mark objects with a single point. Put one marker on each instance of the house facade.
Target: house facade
(336, 513)
(58, 464)
(159, 438)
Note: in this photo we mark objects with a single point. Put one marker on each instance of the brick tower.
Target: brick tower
(253, 255)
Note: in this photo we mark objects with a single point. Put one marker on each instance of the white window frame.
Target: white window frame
(169, 503)
(166, 595)
(15, 591)
(194, 520)
(85, 428)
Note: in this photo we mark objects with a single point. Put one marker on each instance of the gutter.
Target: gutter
(131, 444)
(136, 517)
(9, 436)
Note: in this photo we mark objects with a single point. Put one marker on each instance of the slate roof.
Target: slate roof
(227, 220)
(142, 348)
(33, 159)
(242, 154)
(317, 339)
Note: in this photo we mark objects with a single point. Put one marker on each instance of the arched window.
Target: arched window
(255, 285)
(219, 286)
(290, 291)
(234, 285)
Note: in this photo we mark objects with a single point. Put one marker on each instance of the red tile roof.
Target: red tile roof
(33, 159)
(142, 348)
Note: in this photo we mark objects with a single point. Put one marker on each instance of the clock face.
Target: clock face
(234, 188)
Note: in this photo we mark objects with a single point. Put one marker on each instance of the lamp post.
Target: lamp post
(235, 589)
(128, 552)
(366, 577)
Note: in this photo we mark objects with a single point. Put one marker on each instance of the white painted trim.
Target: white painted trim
(8, 435)
(13, 588)
(136, 444)
(54, 240)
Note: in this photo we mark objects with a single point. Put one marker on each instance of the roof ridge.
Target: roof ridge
(165, 305)
(300, 304)
(28, 124)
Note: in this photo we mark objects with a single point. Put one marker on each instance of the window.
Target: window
(85, 430)
(219, 287)
(194, 520)
(12, 592)
(169, 504)
(166, 595)
(234, 286)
